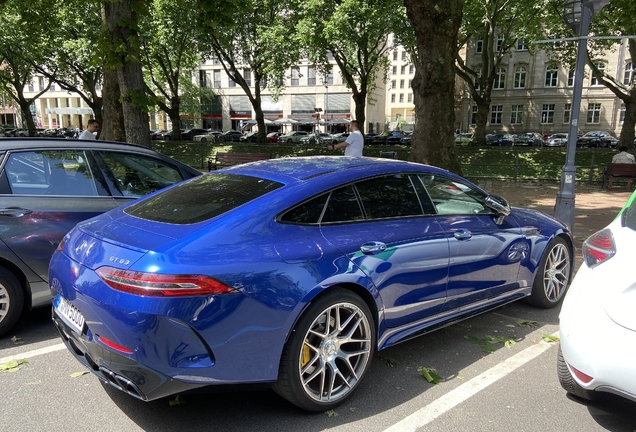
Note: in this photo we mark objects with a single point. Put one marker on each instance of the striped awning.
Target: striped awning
(69, 110)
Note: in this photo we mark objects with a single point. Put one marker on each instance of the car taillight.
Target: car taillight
(60, 245)
(162, 285)
(598, 248)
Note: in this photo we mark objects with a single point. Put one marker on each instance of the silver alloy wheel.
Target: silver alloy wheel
(335, 352)
(5, 302)
(556, 274)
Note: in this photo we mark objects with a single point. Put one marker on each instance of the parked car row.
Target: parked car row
(41, 132)
(600, 139)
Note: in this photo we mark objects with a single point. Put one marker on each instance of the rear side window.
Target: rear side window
(389, 197)
(202, 198)
(50, 172)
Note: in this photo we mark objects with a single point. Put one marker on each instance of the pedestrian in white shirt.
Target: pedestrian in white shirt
(623, 156)
(91, 128)
(354, 143)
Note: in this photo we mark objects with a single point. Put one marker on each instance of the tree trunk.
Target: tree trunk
(436, 23)
(112, 116)
(26, 114)
(129, 73)
(479, 138)
(627, 131)
(360, 99)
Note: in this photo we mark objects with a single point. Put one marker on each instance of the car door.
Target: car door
(485, 252)
(384, 228)
(43, 194)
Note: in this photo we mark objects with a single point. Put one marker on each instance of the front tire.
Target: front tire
(553, 275)
(11, 300)
(568, 383)
(328, 352)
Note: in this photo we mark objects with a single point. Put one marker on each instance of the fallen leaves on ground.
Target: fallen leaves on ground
(12, 365)
(430, 374)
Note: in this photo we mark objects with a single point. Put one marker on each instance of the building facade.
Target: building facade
(533, 93)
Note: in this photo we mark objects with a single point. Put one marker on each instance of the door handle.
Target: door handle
(15, 212)
(462, 234)
(371, 248)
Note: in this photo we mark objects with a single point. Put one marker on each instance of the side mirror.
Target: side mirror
(499, 205)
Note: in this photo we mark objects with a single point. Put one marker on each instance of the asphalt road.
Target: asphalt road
(510, 389)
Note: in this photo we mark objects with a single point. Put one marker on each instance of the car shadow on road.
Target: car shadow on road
(392, 380)
(34, 326)
(610, 411)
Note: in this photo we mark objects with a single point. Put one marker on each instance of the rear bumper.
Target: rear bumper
(118, 370)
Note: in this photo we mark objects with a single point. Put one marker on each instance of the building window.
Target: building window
(217, 79)
(231, 82)
(395, 55)
(403, 70)
(401, 97)
(500, 40)
(594, 113)
(393, 98)
(566, 113)
(401, 84)
(410, 98)
(329, 76)
(496, 112)
(477, 79)
(295, 76)
(520, 77)
(247, 76)
(394, 70)
(521, 45)
(479, 45)
(551, 74)
(622, 114)
(41, 83)
(31, 86)
(500, 79)
(203, 79)
(571, 78)
(547, 114)
(412, 69)
(629, 74)
(596, 81)
(311, 76)
(393, 85)
(52, 88)
(516, 114)
(410, 83)
(473, 115)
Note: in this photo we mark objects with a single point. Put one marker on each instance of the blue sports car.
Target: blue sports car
(293, 272)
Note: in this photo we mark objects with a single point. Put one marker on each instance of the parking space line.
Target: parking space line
(430, 412)
(34, 353)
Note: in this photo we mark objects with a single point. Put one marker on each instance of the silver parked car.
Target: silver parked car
(292, 137)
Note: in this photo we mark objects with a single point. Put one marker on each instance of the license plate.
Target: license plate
(69, 314)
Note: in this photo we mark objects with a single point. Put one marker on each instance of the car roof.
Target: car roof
(297, 169)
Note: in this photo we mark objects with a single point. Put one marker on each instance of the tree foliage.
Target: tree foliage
(356, 33)
(497, 24)
(255, 44)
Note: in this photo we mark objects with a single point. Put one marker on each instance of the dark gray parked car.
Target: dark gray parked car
(49, 185)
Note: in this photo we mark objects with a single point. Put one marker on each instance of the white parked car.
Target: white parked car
(597, 319)
(292, 137)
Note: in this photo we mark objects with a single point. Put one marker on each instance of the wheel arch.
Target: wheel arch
(20, 276)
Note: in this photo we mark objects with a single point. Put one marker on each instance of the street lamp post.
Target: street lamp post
(327, 125)
(577, 15)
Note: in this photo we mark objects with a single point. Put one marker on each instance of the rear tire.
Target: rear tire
(328, 352)
(11, 300)
(568, 382)
(553, 275)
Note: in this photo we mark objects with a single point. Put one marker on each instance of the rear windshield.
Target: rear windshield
(202, 198)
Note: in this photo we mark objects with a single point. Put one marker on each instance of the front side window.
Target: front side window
(134, 175)
(202, 198)
(547, 114)
(49, 172)
(520, 77)
(551, 75)
(594, 113)
(452, 197)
